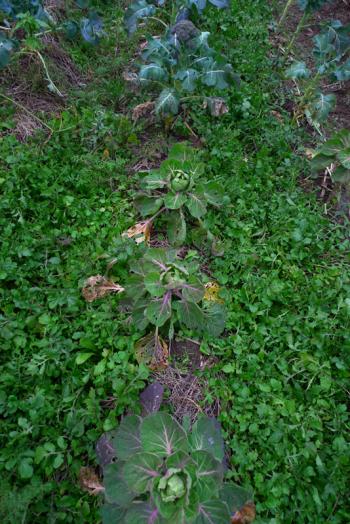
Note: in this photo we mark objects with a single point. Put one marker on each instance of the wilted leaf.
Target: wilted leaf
(89, 481)
(216, 106)
(105, 451)
(151, 398)
(143, 110)
(140, 231)
(98, 286)
(246, 515)
(153, 351)
(211, 294)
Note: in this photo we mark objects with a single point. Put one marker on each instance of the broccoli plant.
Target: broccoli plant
(334, 154)
(182, 66)
(163, 290)
(141, 10)
(24, 22)
(177, 191)
(331, 61)
(162, 474)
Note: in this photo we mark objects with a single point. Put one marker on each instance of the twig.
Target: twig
(27, 111)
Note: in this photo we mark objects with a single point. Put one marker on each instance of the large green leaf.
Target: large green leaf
(213, 512)
(147, 205)
(137, 10)
(213, 192)
(214, 318)
(298, 70)
(209, 473)
(117, 490)
(176, 228)
(174, 200)
(158, 310)
(143, 513)
(162, 434)
(196, 204)
(193, 289)
(342, 73)
(127, 441)
(139, 319)
(152, 72)
(341, 174)
(159, 258)
(167, 103)
(191, 315)
(235, 496)
(112, 514)
(344, 158)
(140, 470)
(336, 143)
(6, 48)
(320, 162)
(206, 436)
(135, 287)
(188, 78)
(154, 285)
(322, 106)
(154, 180)
(217, 75)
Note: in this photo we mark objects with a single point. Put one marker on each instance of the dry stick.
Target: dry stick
(27, 111)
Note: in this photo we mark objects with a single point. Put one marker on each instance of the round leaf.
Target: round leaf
(141, 470)
(162, 435)
(127, 438)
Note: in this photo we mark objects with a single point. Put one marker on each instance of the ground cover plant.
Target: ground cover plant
(69, 369)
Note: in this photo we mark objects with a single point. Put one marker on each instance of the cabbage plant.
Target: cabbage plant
(334, 154)
(178, 192)
(163, 474)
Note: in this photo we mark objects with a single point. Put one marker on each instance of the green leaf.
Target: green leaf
(147, 205)
(112, 514)
(152, 73)
(191, 315)
(216, 75)
(188, 78)
(340, 174)
(6, 48)
(212, 511)
(82, 357)
(174, 200)
(141, 469)
(320, 162)
(209, 473)
(196, 204)
(193, 290)
(158, 310)
(344, 158)
(154, 180)
(135, 287)
(337, 143)
(322, 106)
(206, 436)
(235, 496)
(298, 70)
(213, 192)
(126, 441)
(176, 228)
(342, 73)
(137, 10)
(162, 434)
(167, 103)
(154, 285)
(116, 488)
(214, 318)
(143, 513)
(25, 468)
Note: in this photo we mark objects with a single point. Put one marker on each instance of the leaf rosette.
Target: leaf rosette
(162, 474)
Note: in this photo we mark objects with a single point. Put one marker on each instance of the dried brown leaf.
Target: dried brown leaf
(140, 231)
(216, 105)
(153, 351)
(89, 481)
(98, 286)
(144, 110)
(245, 515)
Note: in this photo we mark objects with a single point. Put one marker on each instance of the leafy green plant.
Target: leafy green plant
(331, 61)
(141, 10)
(164, 474)
(183, 65)
(177, 191)
(334, 154)
(164, 290)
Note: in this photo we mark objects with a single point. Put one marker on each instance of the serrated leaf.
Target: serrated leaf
(206, 436)
(167, 103)
(162, 435)
(127, 441)
(140, 470)
(298, 70)
(117, 490)
(176, 229)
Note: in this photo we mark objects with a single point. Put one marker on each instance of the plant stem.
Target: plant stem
(285, 11)
(51, 86)
(297, 32)
(158, 20)
(27, 111)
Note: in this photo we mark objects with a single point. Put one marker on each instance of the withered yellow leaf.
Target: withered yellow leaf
(140, 231)
(98, 286)
(211, 293)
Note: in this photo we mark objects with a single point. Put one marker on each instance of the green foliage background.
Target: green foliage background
(282, 372)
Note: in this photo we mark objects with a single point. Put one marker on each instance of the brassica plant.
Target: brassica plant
(162, 474)
(163, 289)
(334, 152)
(177, 191)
